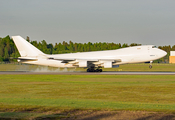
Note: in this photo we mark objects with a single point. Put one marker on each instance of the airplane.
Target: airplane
(94, 61)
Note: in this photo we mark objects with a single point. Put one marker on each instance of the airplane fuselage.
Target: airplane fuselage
(137, 54)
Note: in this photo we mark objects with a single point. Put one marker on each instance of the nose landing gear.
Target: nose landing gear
(150, 66)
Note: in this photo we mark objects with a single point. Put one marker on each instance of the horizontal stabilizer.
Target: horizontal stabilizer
(25, 58)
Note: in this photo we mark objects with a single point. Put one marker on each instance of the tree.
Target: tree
(50, 48)
(125, 45)
(71, 46)
(134, 44)
(75, 47)
(173, 48)
(28, 39)
(6, 55)
(44, 47)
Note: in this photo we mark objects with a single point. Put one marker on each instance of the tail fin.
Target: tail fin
(25, 48)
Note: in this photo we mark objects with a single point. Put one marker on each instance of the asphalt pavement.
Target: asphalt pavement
(90, 73)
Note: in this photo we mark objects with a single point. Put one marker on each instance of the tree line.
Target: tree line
(8, 49)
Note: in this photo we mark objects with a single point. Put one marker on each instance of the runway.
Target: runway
(86, 73)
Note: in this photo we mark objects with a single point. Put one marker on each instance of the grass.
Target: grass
(118, 92)
(17, 115)
(51, 96)
(145, 67)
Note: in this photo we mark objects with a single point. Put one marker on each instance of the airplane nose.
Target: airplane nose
(160, 53)
(163, 53)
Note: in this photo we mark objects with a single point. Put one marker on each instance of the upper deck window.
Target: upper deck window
(154, 47)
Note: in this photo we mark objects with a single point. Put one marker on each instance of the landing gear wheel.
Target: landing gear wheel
(94, 70)
(150, 66)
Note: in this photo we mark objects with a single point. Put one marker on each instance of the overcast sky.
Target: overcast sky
(119, 21)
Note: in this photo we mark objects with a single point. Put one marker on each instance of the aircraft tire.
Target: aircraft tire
(93, 70)
(150, 66)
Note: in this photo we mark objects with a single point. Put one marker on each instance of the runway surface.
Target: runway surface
(89, 73)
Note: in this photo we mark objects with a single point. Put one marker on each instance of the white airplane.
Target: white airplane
(94, 61)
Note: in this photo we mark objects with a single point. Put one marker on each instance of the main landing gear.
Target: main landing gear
(94, 70)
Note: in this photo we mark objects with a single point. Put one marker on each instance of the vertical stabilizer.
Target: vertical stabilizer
(25, 48)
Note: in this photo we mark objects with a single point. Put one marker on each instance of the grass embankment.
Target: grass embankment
(126, 67)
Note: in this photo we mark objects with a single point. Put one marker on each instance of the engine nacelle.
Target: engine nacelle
(108, 64)
(82, 63)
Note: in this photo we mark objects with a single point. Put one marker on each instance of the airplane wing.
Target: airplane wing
(107, 63)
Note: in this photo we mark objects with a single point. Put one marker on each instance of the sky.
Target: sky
(146, 22)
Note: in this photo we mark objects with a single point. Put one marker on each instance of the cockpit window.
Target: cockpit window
(154, 47)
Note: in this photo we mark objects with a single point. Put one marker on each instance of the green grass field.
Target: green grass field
(56, 96)
(102, 92)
